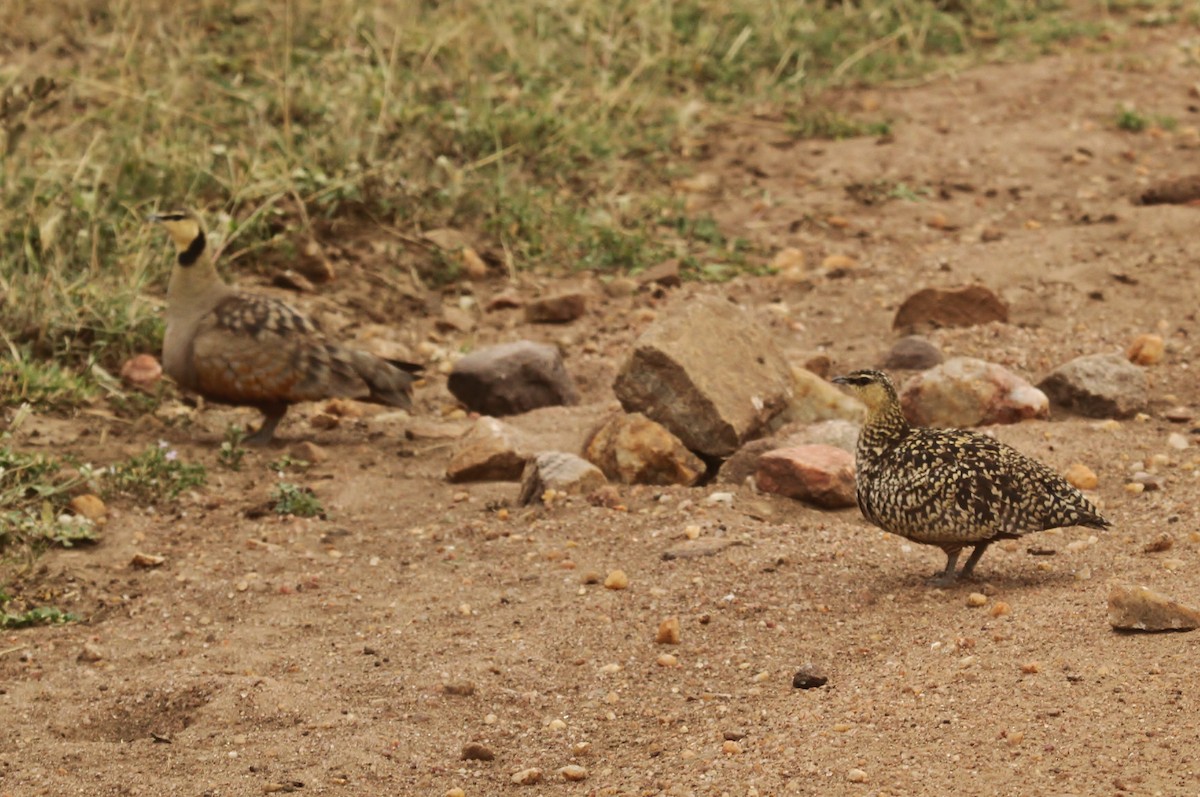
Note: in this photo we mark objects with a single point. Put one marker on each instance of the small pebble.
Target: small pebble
(581, 748)
(1000, 608)
(856, 776)
(91, 653)
(89, 506)
(527, 777)
(667, 660)
(668, 632)
(1163, 542)
(1134, 488)
(455, 792)
(459, 689)
(731, 748)
(977, 599)
(1031, 668)
(1016, 737)
(556, 725)
(474, 751)
(616, 580)
(573, 772)
(809, 676)
(1146, 350)
(1177, 441)
(1081, 476)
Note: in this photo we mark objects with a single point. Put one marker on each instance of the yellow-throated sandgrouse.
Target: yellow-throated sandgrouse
(952, 488)
(233, 347)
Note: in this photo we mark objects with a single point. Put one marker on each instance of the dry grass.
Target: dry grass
(552, 130)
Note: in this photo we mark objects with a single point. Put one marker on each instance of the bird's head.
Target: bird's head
(186, 233)
(873, 388)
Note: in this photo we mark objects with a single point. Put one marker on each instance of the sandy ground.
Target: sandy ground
(360, 653)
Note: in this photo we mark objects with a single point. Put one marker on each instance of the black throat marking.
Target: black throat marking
(196, 248)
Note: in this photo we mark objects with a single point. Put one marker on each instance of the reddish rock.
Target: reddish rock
(141, 371)
(560, 309)
(635, 450)
(958, 307)
(818, 474)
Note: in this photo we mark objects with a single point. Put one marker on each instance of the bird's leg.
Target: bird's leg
(969, 567)
(272, 415)
(947, 576)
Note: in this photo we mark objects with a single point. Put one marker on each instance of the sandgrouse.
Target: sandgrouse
(233, 347)
(952, 488)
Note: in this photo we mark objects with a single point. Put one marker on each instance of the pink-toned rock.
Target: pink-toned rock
(965, 391)
(817, 474)
(141, 371)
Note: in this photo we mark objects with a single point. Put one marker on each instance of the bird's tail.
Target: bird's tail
(389, 384)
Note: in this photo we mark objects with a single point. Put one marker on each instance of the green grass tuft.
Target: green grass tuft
(291, 499)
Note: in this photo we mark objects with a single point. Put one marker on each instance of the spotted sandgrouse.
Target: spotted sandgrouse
(233, 347)
(952, 488)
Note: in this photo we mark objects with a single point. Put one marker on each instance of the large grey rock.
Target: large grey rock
(1136, 608)
(1098, 386)
(491, 450)
(816, 474)
(512, 378)
(561, 472)
(708, 373)
(636, 450)
(966, 391)
(931, 308)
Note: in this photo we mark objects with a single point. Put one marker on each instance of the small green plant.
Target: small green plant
(291, 499)
(41, 615)
(1131, 121)
(154, 475)
(232, 451)
(286, 461)
(42, 383)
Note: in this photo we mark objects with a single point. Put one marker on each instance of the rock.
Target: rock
(490, 451)
(837, 264)
(965, 391)
(809, 676)
(1135, 608)
(474, 751)
(560, 309)
(291, 280)
(816, 474)
(633, 449)
(1162, 542)
(744, 462)
(561, 472)
(1081, 476)
(694, 549)
(459, 688)
(142, 371)
(312, 262)
(814, 399)
(146, 560)
(1177, 441)
(616, 580)
(512, 378)
(912, 353)
(1176, 191)
(789, 264)
(708, 373)
(90, 653)
(835, 432)
(668, 632)
(527, 777)
(620, 287)
(665, 274)
(856, 776)
(454, 319)
(89, 506)
(1146, 350)
(1098, 386)
(474, 265)
(959, 307)
(573, 772)
(505, 300)
(309, 452)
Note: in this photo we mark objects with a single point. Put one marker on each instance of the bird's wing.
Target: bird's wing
(256, 350)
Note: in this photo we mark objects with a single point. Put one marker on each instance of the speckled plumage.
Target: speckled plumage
(244, 349)
(952, 488)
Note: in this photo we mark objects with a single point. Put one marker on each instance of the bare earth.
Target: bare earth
(325, 656)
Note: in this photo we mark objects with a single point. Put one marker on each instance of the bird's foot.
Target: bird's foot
(263, 437)
(943, 579)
